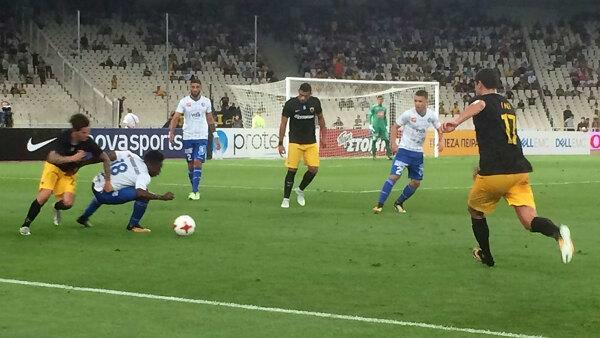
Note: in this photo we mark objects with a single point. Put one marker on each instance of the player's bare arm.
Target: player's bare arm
(212, 128)
(145, 194)
(322, 130)
(471, 110)
(106, 165)
(174, 121)
(440, 131)
(282, 126)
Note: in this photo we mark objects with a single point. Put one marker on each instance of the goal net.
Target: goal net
(345, 106)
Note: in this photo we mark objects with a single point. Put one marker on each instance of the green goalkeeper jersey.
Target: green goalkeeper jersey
(378, 116)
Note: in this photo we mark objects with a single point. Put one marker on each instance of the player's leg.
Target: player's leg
(388, 148)
(415, 173)
(34, 209)
(188, 150)
(388, 185)
(312, 162)
(50, 176)
(65, 192)
(377, 135)
(520, 196)
(483, 197)
(139, 208)
(120, 196)
(199, 156)
(295, 153)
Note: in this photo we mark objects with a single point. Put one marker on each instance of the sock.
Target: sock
(34, 210)
(545, 227)
(482, 234)
(373, 147)
(388, 150)
(196, 174)
(308, 177)
(91, 209)
(385, 191)
(191, 175)
(61, 206)
(139, 208)
(408, 191)
(288, 183)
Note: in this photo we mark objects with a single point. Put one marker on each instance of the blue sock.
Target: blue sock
(91, 208)
(139, 208)
(191, 175)
(385, 191)
(197, 173)
(406, 193)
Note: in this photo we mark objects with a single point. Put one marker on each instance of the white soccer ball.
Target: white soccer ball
(184, 225)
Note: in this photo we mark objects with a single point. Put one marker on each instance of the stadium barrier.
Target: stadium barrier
(34, 143)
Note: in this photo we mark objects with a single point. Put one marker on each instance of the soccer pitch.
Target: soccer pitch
(404, 274)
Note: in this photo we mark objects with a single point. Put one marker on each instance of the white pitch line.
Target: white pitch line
(266, 309)
(243, 187)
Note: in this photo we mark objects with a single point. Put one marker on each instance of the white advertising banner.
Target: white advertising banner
(249, 143)
(555, 142)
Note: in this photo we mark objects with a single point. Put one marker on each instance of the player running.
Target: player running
(410, 153)
(73, 149)
(130, 176)
(503, 170)
(379, 127)
(198, 120)
(301, 112)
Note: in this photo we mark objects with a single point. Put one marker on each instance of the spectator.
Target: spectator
(510, 95)
(546, 91)
(358, 123)
(442, 110)
(14, 90)
(596, 124)
(122, 62)
(121, 40)
(568, 119)
(229, 112)
(338, 124)
(121, 105)
(108, 63)
(258, 121)
(581, 125)
(455, 109)
(237, 122)
(5, 114)
(113, 83)
(85, 44)
(560, 91)
(159, 92)
(147, 72)
(130, 120)
(521, 105)
(531, 100)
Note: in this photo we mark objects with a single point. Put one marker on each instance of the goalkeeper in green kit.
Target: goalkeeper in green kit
(379, 127)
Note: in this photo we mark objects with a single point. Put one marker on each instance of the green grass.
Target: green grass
(331, 256)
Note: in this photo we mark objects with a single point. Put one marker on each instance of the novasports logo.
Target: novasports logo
(138, 143)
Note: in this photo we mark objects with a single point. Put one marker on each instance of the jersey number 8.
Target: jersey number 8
(118, 167)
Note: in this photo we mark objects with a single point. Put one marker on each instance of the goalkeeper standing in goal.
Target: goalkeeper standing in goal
(301, 112)
(379, 127)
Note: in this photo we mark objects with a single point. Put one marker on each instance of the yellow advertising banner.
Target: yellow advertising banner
(456, 143)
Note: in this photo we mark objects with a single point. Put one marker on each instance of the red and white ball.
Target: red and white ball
(184, 225)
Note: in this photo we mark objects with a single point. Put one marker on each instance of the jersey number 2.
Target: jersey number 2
(510, 122)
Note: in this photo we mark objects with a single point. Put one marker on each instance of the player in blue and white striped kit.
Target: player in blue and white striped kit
(198, 120)
(410, 153)
(130, 176)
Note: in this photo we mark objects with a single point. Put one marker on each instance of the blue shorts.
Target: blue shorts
(195, 150)
(412, 160)
(120, 196)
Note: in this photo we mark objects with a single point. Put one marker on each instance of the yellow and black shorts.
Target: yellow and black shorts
(308, 152)
(53, 178)
(487, 191)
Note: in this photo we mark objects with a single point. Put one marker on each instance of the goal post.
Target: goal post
(345, 106)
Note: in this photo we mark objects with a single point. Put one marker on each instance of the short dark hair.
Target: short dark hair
(79, 121)
(195, 80)
(422, 93)
(305, 87)
(380, 96)
(488, 77)
(154, 156)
